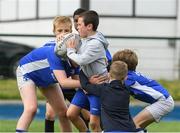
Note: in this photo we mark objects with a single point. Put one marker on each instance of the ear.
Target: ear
(90, 26)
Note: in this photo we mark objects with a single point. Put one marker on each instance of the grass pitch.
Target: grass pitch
(38, 126)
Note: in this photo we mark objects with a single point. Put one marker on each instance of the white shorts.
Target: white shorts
(21, 80)
(161, 108)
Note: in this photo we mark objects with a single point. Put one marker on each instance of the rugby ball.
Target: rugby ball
(60, 47)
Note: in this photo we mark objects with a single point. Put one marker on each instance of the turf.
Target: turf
(38, 126)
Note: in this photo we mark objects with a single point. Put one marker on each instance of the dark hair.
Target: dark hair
(78, 11)
(90, 17)
(128, 56)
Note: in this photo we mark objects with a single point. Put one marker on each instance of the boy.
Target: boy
(114, 97)
(43, 69)
(76, 15)
(92, 58)
(146, 90)
(61, 25)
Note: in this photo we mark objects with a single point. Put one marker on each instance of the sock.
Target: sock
(49, 126)
(20, 131)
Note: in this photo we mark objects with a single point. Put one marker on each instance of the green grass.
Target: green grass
(171, 126)
(38, 126)
(9, 90)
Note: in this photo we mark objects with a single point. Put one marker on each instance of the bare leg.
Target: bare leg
(28, 96)
(49, 121)
(95, 123)
(50, 114)
(85, 114)
(73, 114)
(143, 119)
(56, 100)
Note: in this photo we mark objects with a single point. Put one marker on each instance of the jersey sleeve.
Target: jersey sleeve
(90, 54)
(54, 61)
(129, 81)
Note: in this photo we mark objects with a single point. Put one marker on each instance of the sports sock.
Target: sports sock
(20, 131)
(49, 126)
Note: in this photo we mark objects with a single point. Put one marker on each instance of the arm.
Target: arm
(56, 65)
(90, 88)
(64, 81)
(91, 53)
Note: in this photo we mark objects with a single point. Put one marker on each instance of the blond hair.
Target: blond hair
(118, 70)
(61, 20)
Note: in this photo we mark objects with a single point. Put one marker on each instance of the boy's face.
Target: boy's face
(82, 29)
(75, 19)
(62, 29)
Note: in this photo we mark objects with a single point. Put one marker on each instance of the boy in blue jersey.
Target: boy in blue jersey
(114, 97)
(146, 90)
(61, 25)
(43, 69)
(91, 56)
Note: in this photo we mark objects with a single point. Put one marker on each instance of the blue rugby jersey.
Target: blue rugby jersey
(144, 88)
(39, 64)
(108, 56)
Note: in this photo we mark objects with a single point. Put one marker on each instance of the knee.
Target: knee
(93, 126)
(62, 113)
(70, 115)
(31, 110)
(50, 115)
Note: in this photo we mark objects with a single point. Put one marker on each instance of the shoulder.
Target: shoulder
(50, 43)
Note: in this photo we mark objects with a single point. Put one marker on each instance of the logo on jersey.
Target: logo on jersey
(25, 78)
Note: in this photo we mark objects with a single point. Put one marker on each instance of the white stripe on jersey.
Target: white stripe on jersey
(148, 90)
(33, 66)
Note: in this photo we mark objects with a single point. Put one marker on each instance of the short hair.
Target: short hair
(61, 20)
(128, 56)
(90, 17)
(118, 70)
(78, 11)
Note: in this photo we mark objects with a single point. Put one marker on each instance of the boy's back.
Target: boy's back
(144, 88)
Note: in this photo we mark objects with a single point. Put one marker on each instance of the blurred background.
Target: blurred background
(150, 27)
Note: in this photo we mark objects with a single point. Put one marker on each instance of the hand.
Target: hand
(96, 79)
(71, 44)
(59, 37)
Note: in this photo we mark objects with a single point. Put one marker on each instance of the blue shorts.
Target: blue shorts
(89, 102)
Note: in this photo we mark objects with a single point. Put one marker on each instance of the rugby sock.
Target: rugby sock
(20, 131)
(49, 126)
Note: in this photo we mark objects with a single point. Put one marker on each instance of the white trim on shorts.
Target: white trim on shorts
(161, 108)
(21, 80)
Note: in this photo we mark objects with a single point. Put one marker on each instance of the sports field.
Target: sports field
(38, 126)
(9, 91)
